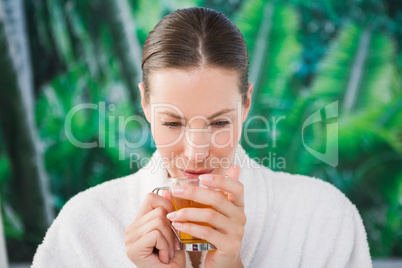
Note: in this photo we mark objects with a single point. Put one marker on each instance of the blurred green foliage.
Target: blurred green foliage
(303, 56)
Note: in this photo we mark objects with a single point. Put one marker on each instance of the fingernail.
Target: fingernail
(171, 215)
(177, 224)
(176, 245)
(164, 258)
(177, 189)
(206, 177)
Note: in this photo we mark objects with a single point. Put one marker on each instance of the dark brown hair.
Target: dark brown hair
(195, 37)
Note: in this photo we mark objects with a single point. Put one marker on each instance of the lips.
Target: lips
(195, 173)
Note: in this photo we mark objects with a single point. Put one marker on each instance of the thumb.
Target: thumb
(166, 194)
(233, 172)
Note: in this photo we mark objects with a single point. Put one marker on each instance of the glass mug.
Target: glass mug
(188, 242)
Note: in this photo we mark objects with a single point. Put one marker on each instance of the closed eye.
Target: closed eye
(172, 124)
(221, 124)
(218, 124)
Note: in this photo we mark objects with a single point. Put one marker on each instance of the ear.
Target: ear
(247, 105)
(144, 102)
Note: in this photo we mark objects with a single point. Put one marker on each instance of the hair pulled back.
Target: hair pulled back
(192, 38)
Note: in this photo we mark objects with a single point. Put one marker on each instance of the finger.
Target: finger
(233, 187)
(160, 224)
(222, 242)
(145, 246)
(176, 244)
(204, 215)
(179, 259)
(158, 212)
(206, 196)
(153, 201)
(166, 195)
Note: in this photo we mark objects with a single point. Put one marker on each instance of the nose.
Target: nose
(197, 144)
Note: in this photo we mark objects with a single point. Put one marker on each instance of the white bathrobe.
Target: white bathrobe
(292, 221)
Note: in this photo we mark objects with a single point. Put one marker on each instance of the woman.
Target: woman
(195, 94)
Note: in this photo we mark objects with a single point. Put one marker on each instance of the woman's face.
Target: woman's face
(196, 118)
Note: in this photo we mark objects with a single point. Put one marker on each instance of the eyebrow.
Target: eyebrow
(174, 115)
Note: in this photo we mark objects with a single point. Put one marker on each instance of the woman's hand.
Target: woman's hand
(151, 230)
(228, 219)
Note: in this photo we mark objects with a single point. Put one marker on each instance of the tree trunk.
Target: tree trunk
(17, 123)
(3, 251)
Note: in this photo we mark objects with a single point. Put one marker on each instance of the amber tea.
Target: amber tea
(188, 242)
(180, 203)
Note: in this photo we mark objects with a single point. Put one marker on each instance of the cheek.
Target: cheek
(222, 159)
(223, 138)
(227, 137)
(227, 141)
(166, 137)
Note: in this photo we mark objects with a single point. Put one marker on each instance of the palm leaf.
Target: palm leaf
(270, 30)
(45, 55)
(357, 71)
(74, 167)
(149, 13)
(123, 30)
(60, 32)
(369, 170)
(87, 48)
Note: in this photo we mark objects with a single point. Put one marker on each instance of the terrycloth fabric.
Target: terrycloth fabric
(292, 221)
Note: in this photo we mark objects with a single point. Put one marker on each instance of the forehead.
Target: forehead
(198, 91)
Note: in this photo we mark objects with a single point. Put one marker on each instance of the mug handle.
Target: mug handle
(156, 191)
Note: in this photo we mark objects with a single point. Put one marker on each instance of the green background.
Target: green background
(304, 55)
